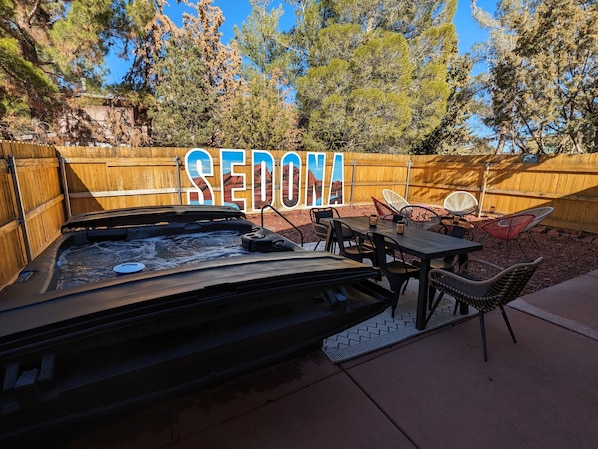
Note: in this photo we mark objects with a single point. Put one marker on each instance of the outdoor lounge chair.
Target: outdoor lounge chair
(539, 213)
(485, 287)
(384, 211)
(393, 200)
(508, 228)
(460, 203)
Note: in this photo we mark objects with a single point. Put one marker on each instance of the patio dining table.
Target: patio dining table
(426, 245)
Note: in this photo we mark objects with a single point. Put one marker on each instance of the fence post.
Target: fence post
(178, 179)
(277, 180)
(21, 219)
(483, 195)
(65, 186)
(407, 179)
(354, 165)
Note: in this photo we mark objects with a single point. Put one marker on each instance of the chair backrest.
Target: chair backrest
(461, 203)
(343, 235)
(508, 228)
(381, 244)
(421, 217)
(317, 213)
(383, 210)
(509, 283)
(395, 201)
(539, 213)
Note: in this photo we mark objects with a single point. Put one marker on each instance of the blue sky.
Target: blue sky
(236, 11)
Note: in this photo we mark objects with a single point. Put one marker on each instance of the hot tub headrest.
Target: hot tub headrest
(260, 241)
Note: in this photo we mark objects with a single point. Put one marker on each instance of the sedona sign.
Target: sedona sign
(297, 181)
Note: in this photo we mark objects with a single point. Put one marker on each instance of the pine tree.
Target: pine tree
(196, 82)
(47, 47)
(378, 76)
(544, 61)
(183, 114)
(263, 115)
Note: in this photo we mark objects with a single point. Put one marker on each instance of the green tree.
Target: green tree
(261, 118)
(263, 115)
(183, 114)
(52, 51)
(453, 133)
(148, 29)
(47, 47)
(544, 61)
(196, 82)
(258, 37)
(378, 76)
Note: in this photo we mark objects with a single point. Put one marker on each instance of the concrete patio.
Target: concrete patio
(431, 391)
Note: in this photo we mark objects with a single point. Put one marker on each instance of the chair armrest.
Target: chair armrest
(474, 274)
(459, 285)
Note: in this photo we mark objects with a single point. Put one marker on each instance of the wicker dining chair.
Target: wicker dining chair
(485, 287)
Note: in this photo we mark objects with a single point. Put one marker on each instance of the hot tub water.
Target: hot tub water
(96, 261)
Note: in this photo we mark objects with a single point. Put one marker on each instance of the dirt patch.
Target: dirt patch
(567, 254)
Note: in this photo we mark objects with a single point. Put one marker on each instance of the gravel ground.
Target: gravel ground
(567, 254)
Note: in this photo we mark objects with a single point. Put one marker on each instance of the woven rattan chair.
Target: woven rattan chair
(485, 287)
(321, 229)
(393, 200)
(398, 272)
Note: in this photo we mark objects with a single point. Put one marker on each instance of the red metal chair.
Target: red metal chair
(383, 210)
(539, 214)
(509, 228)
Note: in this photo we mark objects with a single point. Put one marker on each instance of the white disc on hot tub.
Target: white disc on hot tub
(129, 267)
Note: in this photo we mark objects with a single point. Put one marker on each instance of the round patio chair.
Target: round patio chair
(395, 201)
(384, 211)
(421, 217)
(540, 213)
(508, 228)
(460, 203)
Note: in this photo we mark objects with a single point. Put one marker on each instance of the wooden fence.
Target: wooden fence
(31, 203)
(40, 186)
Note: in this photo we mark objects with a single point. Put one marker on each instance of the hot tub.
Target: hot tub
(202, 294)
